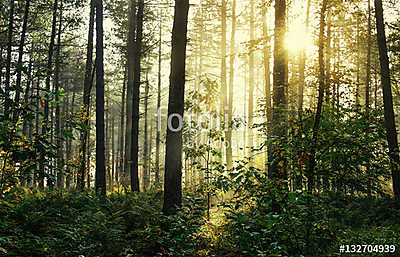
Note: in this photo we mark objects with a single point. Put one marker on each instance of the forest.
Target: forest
(141, 128)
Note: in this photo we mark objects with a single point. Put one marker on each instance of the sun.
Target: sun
(297, 38)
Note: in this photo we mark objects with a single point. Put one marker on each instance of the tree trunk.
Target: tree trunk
(60, 171)
(368, 67)
(157, 175)
(250, 134)
(129, 96)
(20, 55)
(136, 99)
(112, 155)
(7, 101)
(223, 96)
(277, 168)
(145, 139)
(100, 158)
(173, 155)
(228, 135)
(302, 65)
(391, 132)
(321, 88)
(87, 86)
(121, 130)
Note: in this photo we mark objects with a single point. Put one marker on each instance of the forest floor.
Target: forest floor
(54, 223)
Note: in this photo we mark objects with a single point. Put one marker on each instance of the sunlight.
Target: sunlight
(296, 38)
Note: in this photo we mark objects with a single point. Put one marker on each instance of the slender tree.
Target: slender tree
(87, 85)
(250, 134)
(321, 88)
(100, 156)
(8, 61)
(136, 99)
(173, 155)
(157, 164)
(20, 54)
(229, 162)
(391, 132)
(277, 169)
(368, 63)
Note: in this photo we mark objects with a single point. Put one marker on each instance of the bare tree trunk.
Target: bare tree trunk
(250, 135)
(173, 155)
(7, 101)
(87, 86)
(60, 171)
(157, 175)
(223, 96)
(100, 158)
(279, 97)
(228, 135)
(112, 155)
(368, 68)
(129, 96)
(391, 132)
(358, 62)
(20, 55)
(145, 139)
(302, 67)
(121, 130)
(321, 88)
(136, 99)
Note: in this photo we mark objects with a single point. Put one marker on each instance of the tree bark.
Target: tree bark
(250, 134)
(277, 168)
(87, 86)
(121, 130)
(145, 139)
(60, 170)
(173, 155)
(321, 88)
(157, 164)
(7, 101)
(368, 67)
(20, 55)
(136, 99)
(391, 132)
(129, 95)
(228, 135)
(100, 157)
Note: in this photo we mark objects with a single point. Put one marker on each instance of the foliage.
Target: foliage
(54, 223)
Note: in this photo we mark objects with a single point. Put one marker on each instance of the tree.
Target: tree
(279, 84)
(250, 135)
(129, 90)
(157, 164)
(321, 88)
(87, 86)
(100, 155)
(8, 61)
(136, 99)
(229, 162)
(391, 133)
(173, 155)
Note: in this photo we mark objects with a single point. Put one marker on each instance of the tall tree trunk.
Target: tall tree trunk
(100, 158)
(60, 171)
(321, 88)
(302, 66)
(228, 135)
(157, 175)
(368, 68)
(7, 101)
(358, 61)
(223, 96)
(48, 78)
(277, 169)
(145, 139)
(136, 99)
(328, 58)
(391, 132)
(250, 134)
(129, 95)
(28, 90)
(173, 155)
(121, 129)
(112, 155)
(20, 55)
(87, 86)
